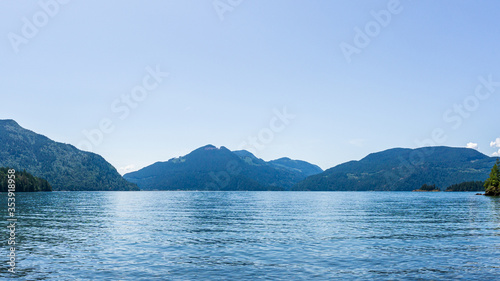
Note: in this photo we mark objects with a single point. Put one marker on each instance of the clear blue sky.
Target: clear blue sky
(67, 67)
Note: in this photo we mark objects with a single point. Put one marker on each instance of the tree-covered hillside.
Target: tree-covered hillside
(62, 165)
(403, 170)
(23, 181)
(211, 168)
(307, 169)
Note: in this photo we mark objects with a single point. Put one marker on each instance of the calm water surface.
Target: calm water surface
(254, 236)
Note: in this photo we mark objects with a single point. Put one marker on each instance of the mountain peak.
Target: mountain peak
(212, 168)
(284, 159)
(244, 153)
(303, 167)
(209, 147)
(9, 122)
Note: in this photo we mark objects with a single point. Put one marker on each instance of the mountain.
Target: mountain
(62, 165)
(212, 168)
(402, 169)
(302, 167)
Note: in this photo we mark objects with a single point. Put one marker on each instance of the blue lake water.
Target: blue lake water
(254, 236)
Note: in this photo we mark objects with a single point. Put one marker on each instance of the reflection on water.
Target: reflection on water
(255, 235)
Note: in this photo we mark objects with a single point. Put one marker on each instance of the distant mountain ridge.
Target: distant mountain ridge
(212, 168)
(402, 169)
(299, 166)
(62, 165)
(303, 167)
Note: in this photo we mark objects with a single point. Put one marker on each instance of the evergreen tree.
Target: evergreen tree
(492, 184)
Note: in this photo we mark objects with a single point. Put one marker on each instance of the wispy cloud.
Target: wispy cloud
(126, 169)
(495, 143)
(357, 142)
(472, 145)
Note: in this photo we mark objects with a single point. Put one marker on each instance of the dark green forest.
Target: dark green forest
(492, 184)
(467, 186)
(24, 182)
(427, 187)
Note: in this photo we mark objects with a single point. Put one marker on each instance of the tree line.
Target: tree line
(24, 182)
(492, 184)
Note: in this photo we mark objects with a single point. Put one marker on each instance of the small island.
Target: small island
(427, 188)
(24, 182)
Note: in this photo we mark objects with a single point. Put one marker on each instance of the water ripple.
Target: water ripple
(255, 236)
